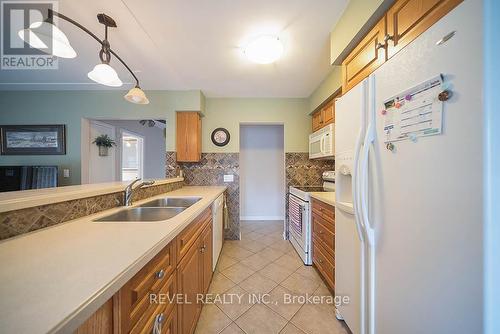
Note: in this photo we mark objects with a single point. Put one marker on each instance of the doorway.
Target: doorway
(262, 172)
(132, 156)
(139, 150)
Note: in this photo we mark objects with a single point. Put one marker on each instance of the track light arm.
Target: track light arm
(50, 18)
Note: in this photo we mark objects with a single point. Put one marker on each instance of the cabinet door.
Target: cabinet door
(407, 19)
(188, 137)
(206, 245)
(101, 322)
(329, 113)
(365, 58)
(316, 121)
(189, 283)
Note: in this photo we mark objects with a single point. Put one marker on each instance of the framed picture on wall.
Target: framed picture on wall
(33, 139)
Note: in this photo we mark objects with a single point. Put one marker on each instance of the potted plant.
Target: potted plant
(104, 143)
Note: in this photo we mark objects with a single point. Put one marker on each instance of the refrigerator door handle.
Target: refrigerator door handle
(355, 188)
(364, 193)
(356, 206)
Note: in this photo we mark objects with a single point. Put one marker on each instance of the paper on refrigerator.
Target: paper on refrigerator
(415, 112)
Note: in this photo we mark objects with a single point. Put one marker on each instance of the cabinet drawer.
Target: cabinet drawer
(326, 212)
(323, 263)
(323, 234)
(166, 310)
(149, 280)
(188, 236)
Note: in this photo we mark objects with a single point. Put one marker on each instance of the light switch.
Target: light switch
(229, 178)
(66, 172)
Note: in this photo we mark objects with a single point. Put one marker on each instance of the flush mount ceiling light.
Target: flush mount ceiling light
(41, 35)
(264, 49)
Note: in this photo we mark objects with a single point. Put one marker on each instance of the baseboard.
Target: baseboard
(262, 217)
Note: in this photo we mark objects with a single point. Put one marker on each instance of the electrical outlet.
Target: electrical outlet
(229, 178)
(66, 172)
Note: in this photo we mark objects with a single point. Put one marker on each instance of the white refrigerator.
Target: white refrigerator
(408, 253)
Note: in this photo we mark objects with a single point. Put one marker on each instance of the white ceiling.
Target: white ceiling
(195, 44)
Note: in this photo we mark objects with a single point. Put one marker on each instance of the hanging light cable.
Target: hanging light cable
(42, 34)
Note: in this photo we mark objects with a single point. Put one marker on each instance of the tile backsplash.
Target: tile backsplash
(17, 222)
(300, 171)
(210, 171)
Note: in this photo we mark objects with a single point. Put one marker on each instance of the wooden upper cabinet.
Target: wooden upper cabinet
(365, 58)
(407, 19)
(188, 140)
(316, 121)
(329, 113)
(324, 116)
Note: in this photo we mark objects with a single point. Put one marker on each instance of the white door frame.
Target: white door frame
(120, 135)
(491, 168)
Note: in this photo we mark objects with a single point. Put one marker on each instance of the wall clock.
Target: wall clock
(220, 137)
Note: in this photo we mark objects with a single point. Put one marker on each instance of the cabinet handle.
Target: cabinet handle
(387, 38)
(159, 319)
(160, 274)
(203, 248)
(320, 231)
(320, 261)
(379, 46)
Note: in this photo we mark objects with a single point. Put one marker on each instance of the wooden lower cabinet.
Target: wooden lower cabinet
(206, 243)
(189, 278)
(323, 240)
(165, 292)
(101, 322)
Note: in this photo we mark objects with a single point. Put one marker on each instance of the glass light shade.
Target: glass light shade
(105, 75)
(137, 96)
(264, 49)
(43, 34)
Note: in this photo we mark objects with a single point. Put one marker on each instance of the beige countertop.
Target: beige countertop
(52, 280)
(326, 197)
(16, 200)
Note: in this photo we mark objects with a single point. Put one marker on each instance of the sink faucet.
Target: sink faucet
(129, 190)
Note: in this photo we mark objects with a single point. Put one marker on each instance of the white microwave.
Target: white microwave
(321, 143)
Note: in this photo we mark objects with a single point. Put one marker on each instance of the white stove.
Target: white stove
(299, 227)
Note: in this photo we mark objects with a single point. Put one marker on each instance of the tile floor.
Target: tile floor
(264, 265)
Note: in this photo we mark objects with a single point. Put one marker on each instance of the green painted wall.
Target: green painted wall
(230, 112)
(327, 87)
(354, 18)
(69, 107)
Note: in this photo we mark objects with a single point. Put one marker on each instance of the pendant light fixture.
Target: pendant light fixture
(41, 35)
(103, 73)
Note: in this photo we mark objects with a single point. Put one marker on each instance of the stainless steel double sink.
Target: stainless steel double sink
(156, 210)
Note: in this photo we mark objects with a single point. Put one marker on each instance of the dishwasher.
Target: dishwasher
(217, 228)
